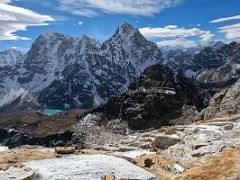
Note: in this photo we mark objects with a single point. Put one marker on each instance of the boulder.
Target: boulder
(163, 142)
(229, 126)
(170, 131)
(65, 150)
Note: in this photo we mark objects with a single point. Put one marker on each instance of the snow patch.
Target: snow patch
(190, 74)
(91, 167)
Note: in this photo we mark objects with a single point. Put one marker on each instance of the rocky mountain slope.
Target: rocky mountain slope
(225, 102)
(215, 67)
(155, 99)
(104, 72)
(10, 62)
(65, 72)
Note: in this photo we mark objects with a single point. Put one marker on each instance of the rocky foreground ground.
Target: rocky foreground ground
(202, 150)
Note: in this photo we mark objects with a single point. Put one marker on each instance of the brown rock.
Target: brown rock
(147, 146)
(15, 157)
(145, 135)
(65, 150)
(148, 162)
(4, 167)
(170, 131)
(110, 176)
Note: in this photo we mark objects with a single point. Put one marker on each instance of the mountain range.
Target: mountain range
(63, 72)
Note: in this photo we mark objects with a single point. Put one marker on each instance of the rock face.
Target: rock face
(10, 61)
(225, 102)
(154, 99)
(215, 67)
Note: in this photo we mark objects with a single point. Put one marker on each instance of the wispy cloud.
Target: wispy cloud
(179, 42)
(13, 19)
(172, 31)
(92, 8)
(79, 23)
(230, 26)
(225, 19)
(232, 32)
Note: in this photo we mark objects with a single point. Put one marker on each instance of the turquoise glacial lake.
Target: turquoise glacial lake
(51, 112)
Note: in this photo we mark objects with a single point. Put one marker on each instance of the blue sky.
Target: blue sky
(166, 22)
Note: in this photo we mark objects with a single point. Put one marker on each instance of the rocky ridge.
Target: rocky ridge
(155, 99)
(225, 102)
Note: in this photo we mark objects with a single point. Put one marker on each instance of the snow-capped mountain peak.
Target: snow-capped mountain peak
(88, 44)
(10, 57)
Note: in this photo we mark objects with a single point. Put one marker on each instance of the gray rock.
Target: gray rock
(17, 173)
(163, 142)
(229, 126)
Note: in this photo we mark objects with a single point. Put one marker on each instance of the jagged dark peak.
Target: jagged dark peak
(51, 35)
(127, 35)
(126, 26)
(218, 44)
(51, 39)
(155, 76)
(125, 30)
(229, 49)
(86, 39)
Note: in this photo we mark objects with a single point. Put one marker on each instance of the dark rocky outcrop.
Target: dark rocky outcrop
(155, 99)
(13, 138)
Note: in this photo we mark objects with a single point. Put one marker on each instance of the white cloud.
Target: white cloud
(171, 26)
(179, 42)
(13, 19)
(173, 31)
(225, 19)
(232, 32)
(80, 23)
(230, 26)
(92, 8)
